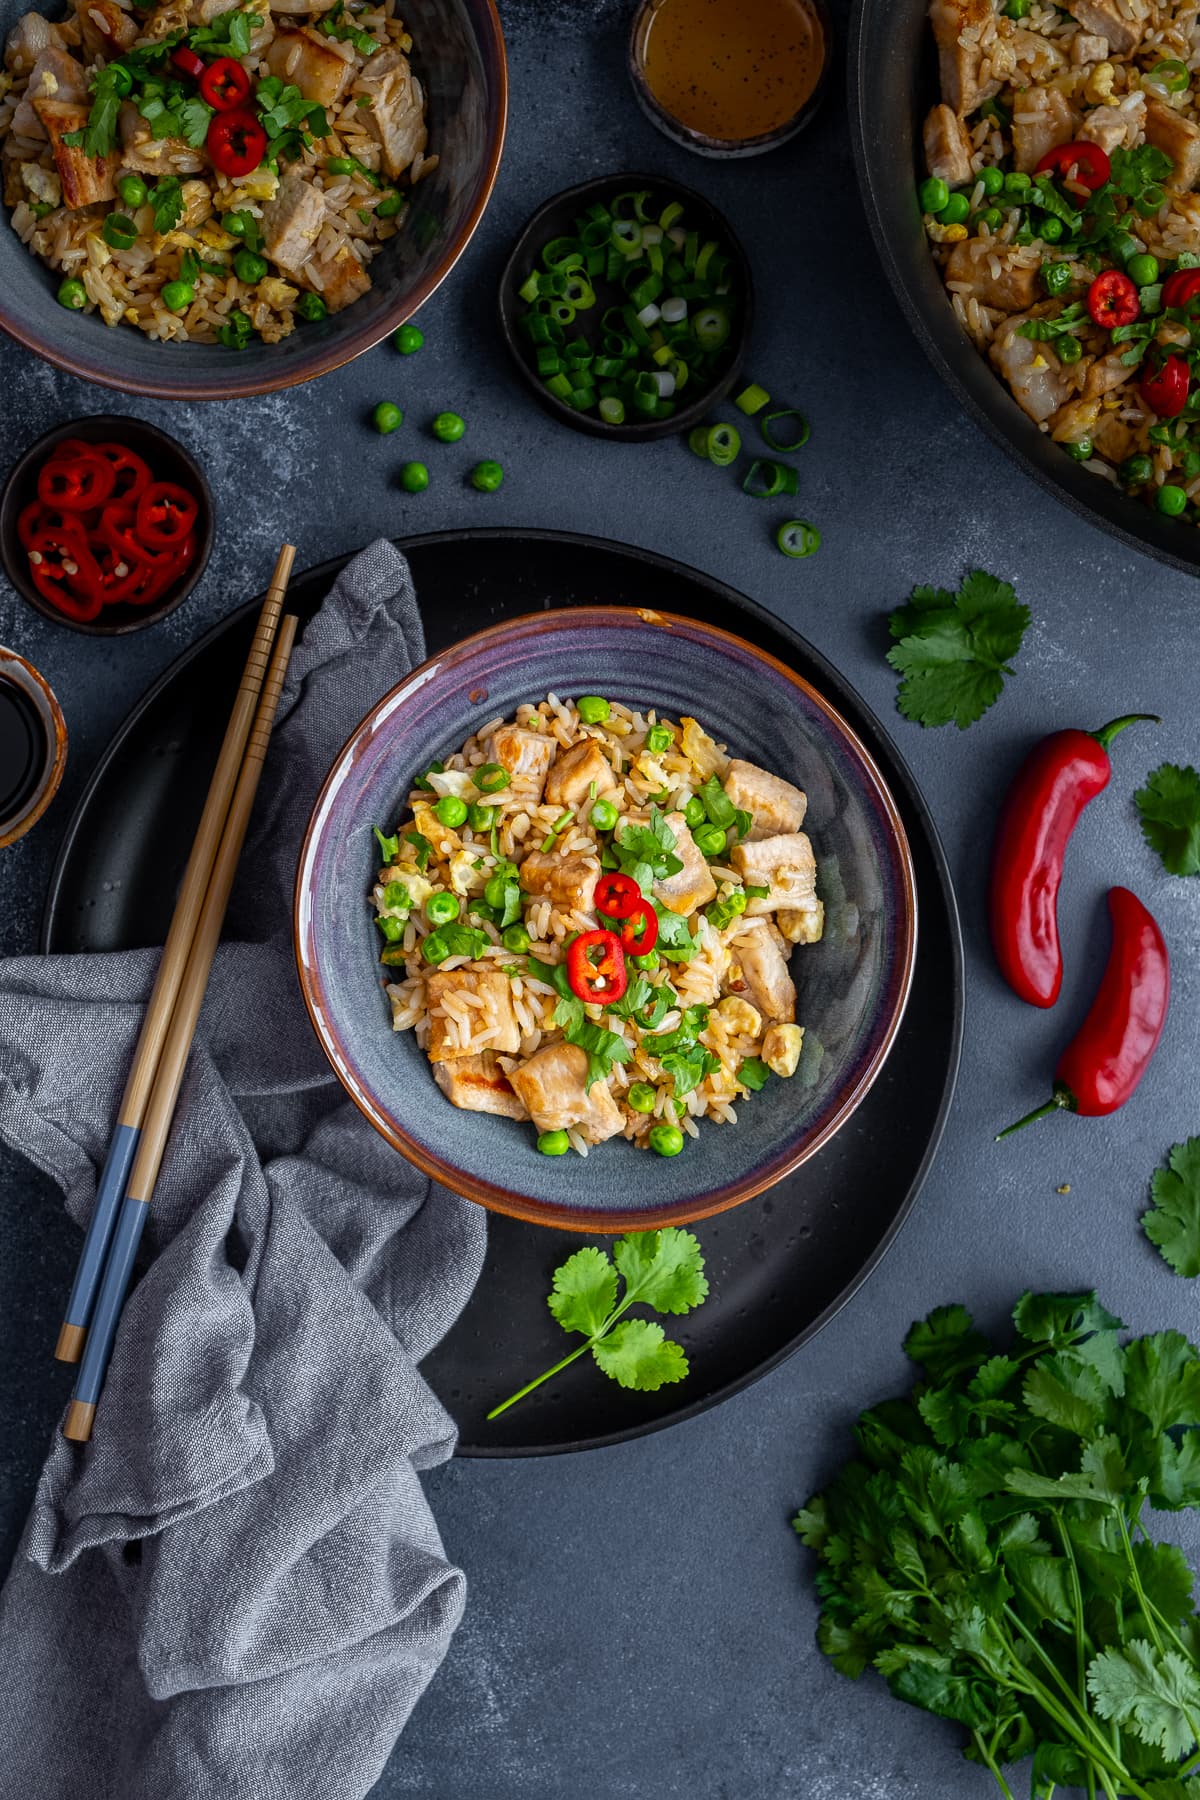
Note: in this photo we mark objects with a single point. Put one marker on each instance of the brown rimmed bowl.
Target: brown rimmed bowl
(458, 55)
(854, 985)
(168, 461)
(43, 719)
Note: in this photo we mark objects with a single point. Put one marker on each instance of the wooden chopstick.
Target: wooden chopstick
(127, 1131)
(168, 1078)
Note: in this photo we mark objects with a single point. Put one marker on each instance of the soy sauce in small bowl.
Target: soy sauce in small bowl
(33, 746)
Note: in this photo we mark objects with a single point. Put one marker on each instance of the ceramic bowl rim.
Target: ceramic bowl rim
(731, 1193)
(632, 433)
(340, 349)
(53, 779)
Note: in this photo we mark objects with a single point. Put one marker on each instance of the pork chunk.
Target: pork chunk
(691, 886)
(479, 1084)
(786, 865)
(29, 37)
(1105, 18)
(1032, 370)
(773, 804)
(397, 108)
(1043, 118)
(86, 180)
(947, 146)
(553, 1085)
(142, 152)
(1012, 289)
(568, 881)
(1170, 132)
(343, 278)
(484, 996)
(1086, 48)
(526, 755)
(758, 971)
(1115, 127)
(309, 61)
(573, 771)
(106, 29)
(55, 76)
(960, 64)
(292, 223)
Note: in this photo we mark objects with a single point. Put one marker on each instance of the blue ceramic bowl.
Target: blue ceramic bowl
(458, 55)
(853, 985)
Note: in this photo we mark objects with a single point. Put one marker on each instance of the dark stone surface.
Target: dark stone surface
(640, 1620)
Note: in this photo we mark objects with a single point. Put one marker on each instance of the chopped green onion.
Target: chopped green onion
(555, 832)
(751, 400)
(798, 538)
(612, 410)
(1170, 75)
(698, 441)
(724, 442)
(491, 778)
(710, 327)
(796, 441)
(765, 479)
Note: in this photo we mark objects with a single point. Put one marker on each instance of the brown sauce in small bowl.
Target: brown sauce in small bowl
(731, 70)
(24, 749)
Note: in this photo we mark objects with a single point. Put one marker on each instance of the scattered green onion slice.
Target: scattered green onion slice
(766, 479)
(771, 438)
(723, 444)
(751, 400)
(798, 538)
(698, 441)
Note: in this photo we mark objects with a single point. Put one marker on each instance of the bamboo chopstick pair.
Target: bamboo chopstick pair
(147, 1107)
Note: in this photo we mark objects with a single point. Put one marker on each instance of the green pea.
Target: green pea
(710, 840)
(516, 938)
(992, 179)
(441, 908)
(494, 892)
(133, 190)
(1049, 229)
(390, 205)
(993, 218)
(642, 1097)
(1017, 183)
(448, 428)
(1056, 276)
(1135, 471)
(177, 296)
(1069, 348)
(955, 210)
(1080, 450)
(414, 478)
(235, 223)
(387, 417)
(408, 339)
(666, 1140)
(487, 476)
(1171, 501)
(647, 964)
(249, 268)
(451, 811)
(658, 739)
(73, 295)
(481, 818)
(340, 165)
(1142, 270)
(604, 815)
(554, 1143)
(594, 709)
(312, 308)
(694, 813)
(434, 948)
(932, 195)
(119, 231)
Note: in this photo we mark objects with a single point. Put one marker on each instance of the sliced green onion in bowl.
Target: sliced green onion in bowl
(797, 437)
(612, 410)
(798, 538)
(766, 479)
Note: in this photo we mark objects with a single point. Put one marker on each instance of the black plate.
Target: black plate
(893, 83)
(780, 1265)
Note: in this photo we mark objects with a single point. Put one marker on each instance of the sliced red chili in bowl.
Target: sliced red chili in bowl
(1080, 162)
(78, 482)
(1112, 300)
(131, 475)
(236, 142)
(596, 967)
(165, 515)
(225, 84)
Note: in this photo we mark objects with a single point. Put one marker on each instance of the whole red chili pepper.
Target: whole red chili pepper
(1102, 1065)
(1058, 778)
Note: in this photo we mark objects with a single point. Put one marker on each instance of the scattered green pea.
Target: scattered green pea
(647, 964)
(932, 195)
(133, 191)
(694, 813)
(1142, 270)
(1171, 501)
(666, 1140)
(1056, 276)
(340, 165)
(710, 841)
(390, 205)
(387, 417)
(516, 938)
(311, 307)
(434, 948)
(658, 739)
(1069, 348)
(554, 1143)
(487, 476)
(1081, 449)
(408, 339)
(414, 478)
(448, 428)
(177, 296)
(1017, 184)
(1135, 471)
(992, 217)
(1049, 229)
(481, 818)
(992, 179)
(955, 211)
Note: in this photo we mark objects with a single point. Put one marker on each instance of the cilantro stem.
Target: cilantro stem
(992, 1764)
(529, 1387)
(1092, 1744)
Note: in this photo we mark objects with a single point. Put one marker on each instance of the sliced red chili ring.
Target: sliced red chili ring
(77, 482)
(165, 515)
(1165, 390)
(236, 141)
(1181, 287)
(120, 575)
(131, 476)
(596, 966)
(639, 930)
(617, 895)
(1112, 300)
(225, 84)
(65, 575)
(1081, 162)
(35, 517)
(188, 61)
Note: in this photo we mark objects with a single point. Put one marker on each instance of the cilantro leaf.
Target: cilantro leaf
(166, 197)
(1173, 1222)
(650, 846)
(688, 1068)
(604, 1048)
(1133, 171)
(1061, 1318)
(753, 1073)
(1163, 1380)
(1169, 805)
(663, 1269)
(954, 658)
(675, 941)
(585, 1291)
(944, 1341)
(1149, 1693)
(1062, 324)
(228, 34)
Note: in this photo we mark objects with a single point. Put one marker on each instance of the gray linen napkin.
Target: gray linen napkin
(237, 1590)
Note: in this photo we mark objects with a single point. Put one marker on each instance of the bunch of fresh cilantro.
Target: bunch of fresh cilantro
(987, 1552)
(954, 650)
(661, 1269)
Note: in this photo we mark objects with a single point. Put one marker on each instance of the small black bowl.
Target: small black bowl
(556, 219)
(168, 460)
